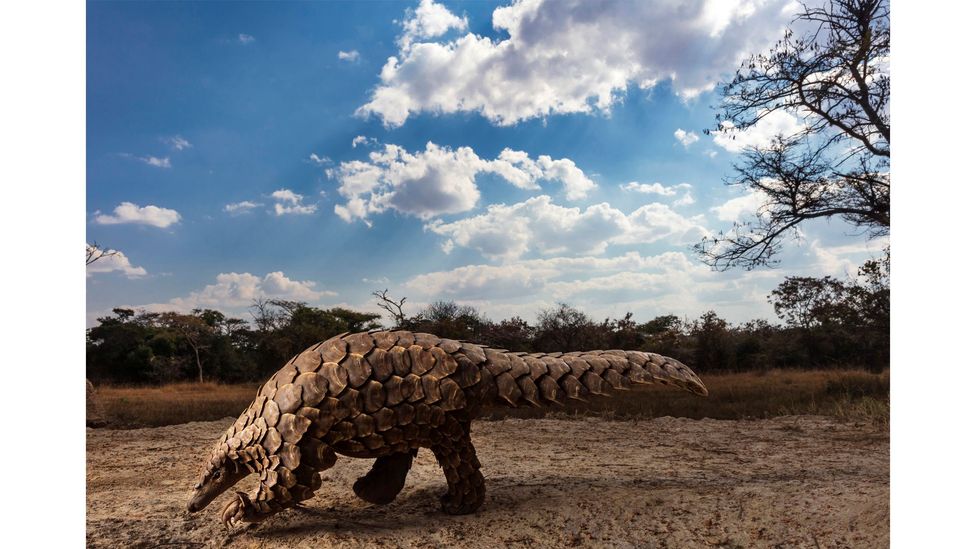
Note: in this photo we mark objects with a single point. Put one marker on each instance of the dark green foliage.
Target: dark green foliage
(286, 328)
(513, 334)
(827, 323)
(448, 319)
(165, 347)
(834, 319)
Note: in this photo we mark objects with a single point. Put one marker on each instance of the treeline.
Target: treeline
(147, 347)
(826, 323)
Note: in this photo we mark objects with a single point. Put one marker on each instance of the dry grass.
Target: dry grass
(848, 394)
(125, 406)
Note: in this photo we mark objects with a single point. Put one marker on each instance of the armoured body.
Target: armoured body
(385, 394)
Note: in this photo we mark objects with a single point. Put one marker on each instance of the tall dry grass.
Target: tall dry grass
(140, 406)
(847, 394)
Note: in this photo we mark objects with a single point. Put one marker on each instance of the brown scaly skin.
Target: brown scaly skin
(383, 395)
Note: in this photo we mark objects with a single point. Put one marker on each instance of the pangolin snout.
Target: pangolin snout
(198, 502)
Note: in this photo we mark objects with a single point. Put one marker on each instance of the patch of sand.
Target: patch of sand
(803, 481)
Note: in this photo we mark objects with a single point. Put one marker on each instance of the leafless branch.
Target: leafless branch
(95, 252)
(391, 305)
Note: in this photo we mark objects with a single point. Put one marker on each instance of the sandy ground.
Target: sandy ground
(800, 481)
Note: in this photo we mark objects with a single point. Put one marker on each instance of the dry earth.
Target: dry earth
(802, 481)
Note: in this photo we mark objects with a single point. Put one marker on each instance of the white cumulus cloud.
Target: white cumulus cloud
(440, 180)
(362, 140)
(568, 56)
(759, 135)
(685, 138)
(114, 260)
(288, 202)
(740, 207)
(648, 285)
(237, 290)
(507, 232)
(657, 188)
(127, 212)
(429, 20)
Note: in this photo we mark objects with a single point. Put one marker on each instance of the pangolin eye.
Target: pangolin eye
(216, 474)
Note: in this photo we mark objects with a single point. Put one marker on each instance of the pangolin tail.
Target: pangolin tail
(539, 378)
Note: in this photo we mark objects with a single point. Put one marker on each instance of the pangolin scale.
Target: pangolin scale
(383, 395)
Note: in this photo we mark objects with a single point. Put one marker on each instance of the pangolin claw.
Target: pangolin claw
(236, 510)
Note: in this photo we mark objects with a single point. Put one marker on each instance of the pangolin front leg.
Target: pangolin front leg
(456, 455)
(386, 479)
(282, 487)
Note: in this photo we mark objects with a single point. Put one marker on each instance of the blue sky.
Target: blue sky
(506, 156)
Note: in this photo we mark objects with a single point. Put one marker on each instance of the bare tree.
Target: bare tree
(95, 252)
(392, 306)
(272, 314)
(834, 76)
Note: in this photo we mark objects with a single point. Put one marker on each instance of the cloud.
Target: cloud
(362, 140)
(241, 207)
(237, 290)
(684, 200)
(153, 161)
(669, 282)
(298, 209)
(657, 188)
(685, 138)
(287, 196)
(177, 142)
(480, 282)
(319, 160)
(572, 56)
(523, 277)
(156, 162)
(245, 38)
(440, 180)
(838, 261)
(507, 232)
(759, 135)
(117, 261)
(429, 20)
(288, 202)
(740, 207)
(127, 212)
(351, 56)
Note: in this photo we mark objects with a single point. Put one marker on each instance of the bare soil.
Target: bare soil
(800, 481)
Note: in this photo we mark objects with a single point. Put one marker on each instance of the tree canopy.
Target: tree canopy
(830, 70)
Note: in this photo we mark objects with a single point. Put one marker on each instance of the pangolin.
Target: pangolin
(383, 395)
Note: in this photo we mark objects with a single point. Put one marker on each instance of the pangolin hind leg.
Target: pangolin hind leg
(386, 479)
(456, 455)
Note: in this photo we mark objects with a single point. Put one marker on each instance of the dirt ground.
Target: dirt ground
(801, 481)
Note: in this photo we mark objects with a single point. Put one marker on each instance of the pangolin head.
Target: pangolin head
(221, 472)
